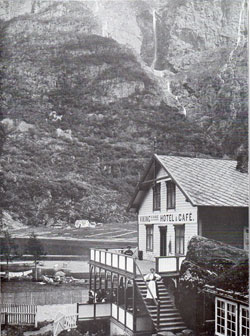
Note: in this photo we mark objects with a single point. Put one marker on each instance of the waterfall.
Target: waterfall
(238, 31)
(224, 68)
(155, 39)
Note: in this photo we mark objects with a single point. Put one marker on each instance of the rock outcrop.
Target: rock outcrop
(212, 263)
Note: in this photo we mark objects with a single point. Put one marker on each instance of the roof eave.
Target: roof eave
(131, 203)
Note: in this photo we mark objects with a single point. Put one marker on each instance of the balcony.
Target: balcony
(168, 265)
(116, 260)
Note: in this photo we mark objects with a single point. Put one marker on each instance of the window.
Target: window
(225, 317)
(179, 239)
(149, 237)
(171, 197)
(157, 197)
(244, 321)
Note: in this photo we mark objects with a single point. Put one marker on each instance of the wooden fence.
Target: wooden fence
(18, 314)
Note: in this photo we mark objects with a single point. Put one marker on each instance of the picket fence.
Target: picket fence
(18, 314)
(64, 322)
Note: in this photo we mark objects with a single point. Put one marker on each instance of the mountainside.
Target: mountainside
(87, 87)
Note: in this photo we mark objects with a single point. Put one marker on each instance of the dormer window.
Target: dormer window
(171, 195)
(157, 197)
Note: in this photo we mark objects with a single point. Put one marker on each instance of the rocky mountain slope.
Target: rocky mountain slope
(87, 87)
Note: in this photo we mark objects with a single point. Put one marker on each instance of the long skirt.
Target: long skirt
(153, 288)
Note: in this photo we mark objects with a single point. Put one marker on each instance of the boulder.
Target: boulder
(209, 262)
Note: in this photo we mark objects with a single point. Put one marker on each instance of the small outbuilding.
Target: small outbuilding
(84, 223)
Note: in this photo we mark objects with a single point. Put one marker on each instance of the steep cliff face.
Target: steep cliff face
(186, 41)
(88, 85)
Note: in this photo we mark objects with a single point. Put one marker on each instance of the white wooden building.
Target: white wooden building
(179, 197)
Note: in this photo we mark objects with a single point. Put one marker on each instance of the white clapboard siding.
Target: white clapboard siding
(18, 314)
(146, 208)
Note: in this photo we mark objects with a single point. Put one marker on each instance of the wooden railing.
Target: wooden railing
(169, 264)
(113, 259)
(88, 311)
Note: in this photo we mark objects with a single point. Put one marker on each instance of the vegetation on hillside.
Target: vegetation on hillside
(81, 116)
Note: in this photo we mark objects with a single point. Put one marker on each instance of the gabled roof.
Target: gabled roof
(204, 182)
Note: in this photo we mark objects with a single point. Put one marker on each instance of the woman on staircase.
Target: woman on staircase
(151, 279)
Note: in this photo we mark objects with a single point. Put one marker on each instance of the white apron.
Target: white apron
(151, 282)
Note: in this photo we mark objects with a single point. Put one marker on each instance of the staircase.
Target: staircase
(169, 317)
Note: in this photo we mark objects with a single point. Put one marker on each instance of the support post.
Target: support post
(95, 294)
(125, 301)
(77, 312)
(118, 296)
(134, 305)
(158, 315)
(90, 277)
(157, 264)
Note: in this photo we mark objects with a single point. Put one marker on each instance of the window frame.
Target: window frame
(171, 195)
(157, 197)
(226, 313)
(149, 237)
(178, 227)
(246, 318)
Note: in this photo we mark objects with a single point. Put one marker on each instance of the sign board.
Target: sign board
(169, 218)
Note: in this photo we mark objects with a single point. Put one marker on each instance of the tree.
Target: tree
(8, 249)
(36, 249)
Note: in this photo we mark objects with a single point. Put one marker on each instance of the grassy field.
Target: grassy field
(117, 231)
(72, 247)
(69, 241)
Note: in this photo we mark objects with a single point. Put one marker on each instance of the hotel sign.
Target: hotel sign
(169, 218)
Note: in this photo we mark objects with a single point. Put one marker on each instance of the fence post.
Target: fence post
(6, 319)
(36, 320)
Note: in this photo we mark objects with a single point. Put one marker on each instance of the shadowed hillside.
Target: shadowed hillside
(81, 113)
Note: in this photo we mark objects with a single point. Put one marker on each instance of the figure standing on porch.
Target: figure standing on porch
(151, 279)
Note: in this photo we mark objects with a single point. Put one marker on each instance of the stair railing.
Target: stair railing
(156, 302)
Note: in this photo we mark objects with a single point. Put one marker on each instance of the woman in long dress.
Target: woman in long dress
(151, 279)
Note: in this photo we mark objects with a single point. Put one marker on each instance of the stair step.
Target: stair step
(178, 328)
(163, 315)
(166, 308)
(170, 324)
(170, 319)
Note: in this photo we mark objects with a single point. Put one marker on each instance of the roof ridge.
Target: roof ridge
(194, 157)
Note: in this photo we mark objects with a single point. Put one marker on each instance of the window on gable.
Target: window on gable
(157, 197)
(149, 237)
(171, 195)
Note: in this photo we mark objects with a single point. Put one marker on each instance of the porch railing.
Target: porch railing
(168, 264)
(113, 259)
